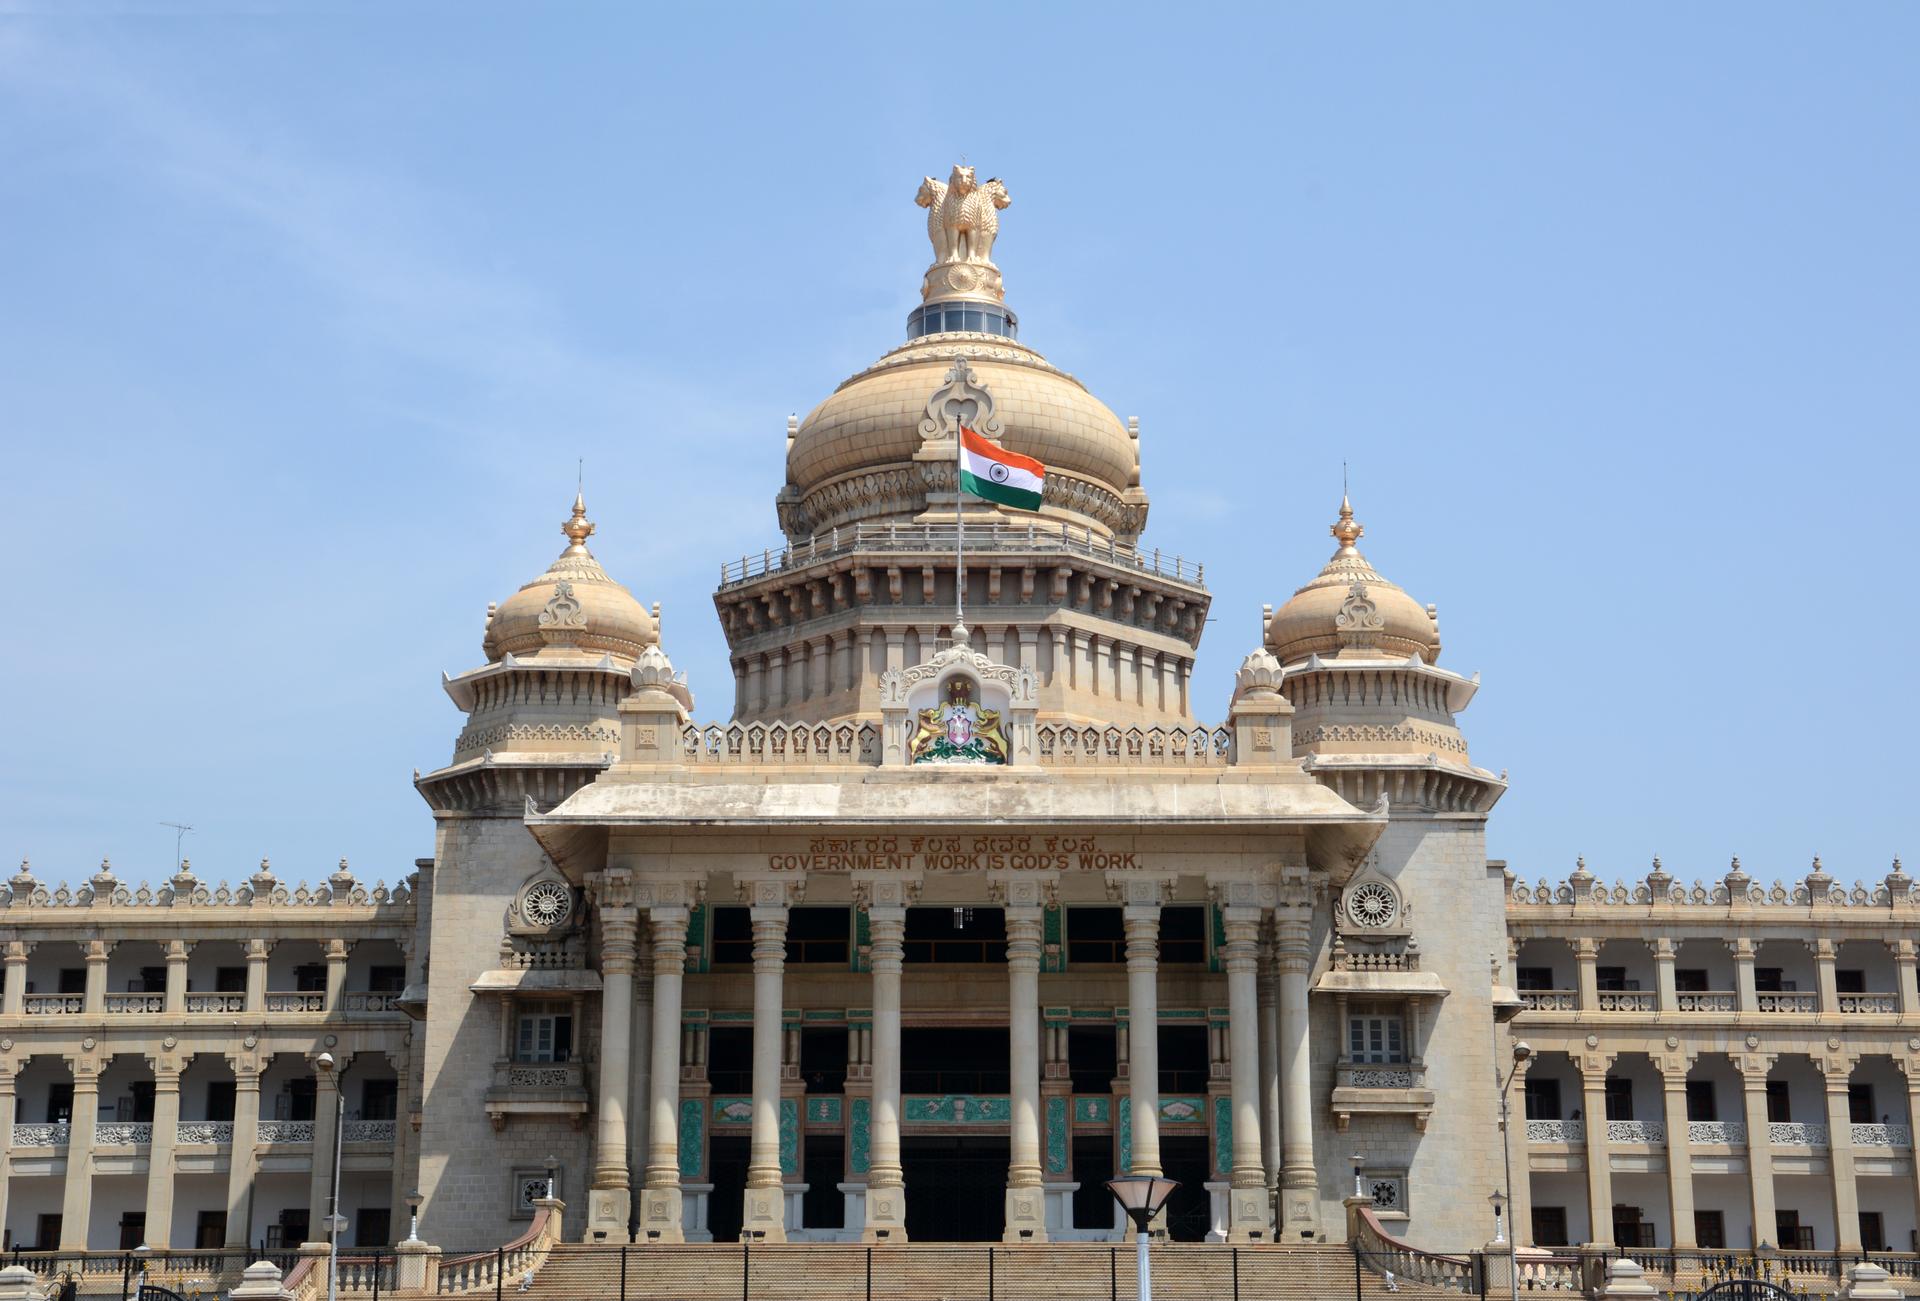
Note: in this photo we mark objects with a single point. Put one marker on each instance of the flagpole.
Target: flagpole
(959, 538)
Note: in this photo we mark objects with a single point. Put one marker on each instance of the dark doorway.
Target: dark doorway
(823, 1206)
(727, 1203)
(1093, 1204)
(1190, 1209)
(956, 1188)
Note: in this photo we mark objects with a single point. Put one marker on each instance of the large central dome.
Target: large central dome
(876, 451)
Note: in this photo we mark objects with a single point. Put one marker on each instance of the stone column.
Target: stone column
(1846, 1192)
(764, 1218)
(610, 1202)
(1247, 1203)
(1745, 997)
(177, 951)
(1673, 1087)
(640, 1062)
(240, 1161)
(1299, 1185)
(8, 1104)
(1825, 980)
(1904, 965)
(1586, 955)
(1593, 1090)
(1753, 1084)
(1143, 1035)
(257, 975)
(96, 996)
(1270, 1065)
(756, 684)
(777, 682)
(886, 1186)
(326, 1118)
(1026, 1207)
(15, 1000)
(660, 1202)
(76, 1206)
(336, 973)
(1663, 978)
(166, 1125)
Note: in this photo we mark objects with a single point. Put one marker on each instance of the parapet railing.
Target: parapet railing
(1056, 745)
(515, 1262)
(980, 540)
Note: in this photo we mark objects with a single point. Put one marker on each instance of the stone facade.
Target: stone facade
(958, 914)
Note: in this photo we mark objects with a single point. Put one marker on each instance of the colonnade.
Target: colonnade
(1274, 1189)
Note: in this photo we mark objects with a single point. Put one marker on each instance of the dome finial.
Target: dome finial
(1346, 529)
(579, 528)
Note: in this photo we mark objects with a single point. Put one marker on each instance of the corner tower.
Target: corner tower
(865, 579)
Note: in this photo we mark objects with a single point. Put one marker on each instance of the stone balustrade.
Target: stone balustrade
(202, 1133)
(370, 1131)
(1628, 1000)
(1898, 1136)
(1875, 1004)
(1783, 1133)
(1720, 1133)
(54, 1004)
(50, 1135)
(123, 1133)
(1556, 1131)
(136, 1003)
(286, 1131)
(360, 1000)
(1706, 1000)
(302, 1001)
(226, 1002)
(1636, 1131)
(1551, 1000)
(1795, 1001)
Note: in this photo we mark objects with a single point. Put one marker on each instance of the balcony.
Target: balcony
(53, 1135)
(54, 1004)
(302, 1001)
(1556, 1131)
(1706, 1000)
(138, 1004)
(1793, 1002)
(1869, 1004)
(123, 1133)
(537, 1089)
(1550, 1000)
(1653, 1132)
(1717, 1133)
(1397, 1089)
(1627, 1000)
(1782, 1133)
(285, 1131)
(370, 1131)
(369, 1001)
(1881, 1136)
(225, 1002)
(203, 1133)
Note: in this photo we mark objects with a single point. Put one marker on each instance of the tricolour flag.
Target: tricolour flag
(990, 471)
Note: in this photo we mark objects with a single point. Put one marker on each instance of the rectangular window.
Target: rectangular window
(1093, 1057)
(59, 1103)
(1690, 980)
(1534, 978)
(1710, 1230)
(1629, 1230)
(1850, 982)
(379, 1100)
(310, 978)
(1550, 1226)
(732, 937)
(220, 1100)
(823, 1063)
(1183, 934)
(386, 979)
(1860, 1105)
(1767, 980)
(46, 1233)
(1374, 1037)
(1610, 979)
(151, 980)
(730, 1059)
(1619, 1099)
(139, 1104)
(1791, 1234)
(133, 1229)
(820, 935)
(970, 935)
(1779, 1104)
(1096, 935)
(1873, 1232)
(209, 1230)
(1701, 1103)
(73, 980)
(229, 980)
(299, 1099)
(545, 1033)
(1543, 1103)
(372, 1226)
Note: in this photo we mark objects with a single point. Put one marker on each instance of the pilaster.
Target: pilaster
(1673, 1092)
(1593, 1088)
(1846, 1191)
(77, 1201)
(610, 1200)
(1753, 1085)
(166, 1124)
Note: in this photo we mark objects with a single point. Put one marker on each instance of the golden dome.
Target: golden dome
(573, 604)
(1349, 607)
(853, 456)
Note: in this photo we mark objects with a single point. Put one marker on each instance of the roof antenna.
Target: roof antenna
(180, 830)
(1343, 478)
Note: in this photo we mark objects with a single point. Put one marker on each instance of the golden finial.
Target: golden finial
(1346, 529)
(579, 528)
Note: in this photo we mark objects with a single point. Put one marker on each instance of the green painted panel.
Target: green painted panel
(1053, 954)
(1125, 1131)
(733, 1111)
(862, 940)
(1056, 1135)
(789, 1136)
(859, 1135)
(1093, 1110)
(824, 1111)
(1216, 939)
(699, 952)
(957, 1109)
(692, 1132)
(1179, 1111)
(1223, 1134)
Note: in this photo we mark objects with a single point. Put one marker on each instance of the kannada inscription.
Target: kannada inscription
(955, 854)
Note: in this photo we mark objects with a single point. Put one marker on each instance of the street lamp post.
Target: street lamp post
(324, 1063)
(1521, 1051)
(413, 1215)
(1141, 1197)
(1498, 1200)
(552, 1163)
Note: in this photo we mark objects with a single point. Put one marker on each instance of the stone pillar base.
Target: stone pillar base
(660, 1215)
(414, 1263)
(886, 1219)
(764, 1218)
(1026, 1215)
(608, 1210)
(1299, 1213)
(1248, 1215)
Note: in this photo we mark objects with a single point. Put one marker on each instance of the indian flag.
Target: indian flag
(990, 471)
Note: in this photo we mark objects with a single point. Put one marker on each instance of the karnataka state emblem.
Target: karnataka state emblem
(958, 730)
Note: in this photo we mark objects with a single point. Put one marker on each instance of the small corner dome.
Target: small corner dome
(573, 605)
(1349, 608)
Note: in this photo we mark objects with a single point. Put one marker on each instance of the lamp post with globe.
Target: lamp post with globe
(1141, 1197)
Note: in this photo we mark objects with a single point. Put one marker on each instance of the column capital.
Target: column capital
(877, 892)
(178, 950)
(619, 938)
(1023, 889)
(781, 892)
(1586, 946)
(1140, 889)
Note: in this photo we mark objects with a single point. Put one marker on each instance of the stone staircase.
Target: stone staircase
(956, 1272)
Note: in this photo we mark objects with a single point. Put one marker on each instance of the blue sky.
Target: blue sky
(308, 313)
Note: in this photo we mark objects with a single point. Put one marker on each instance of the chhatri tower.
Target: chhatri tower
(838, 967)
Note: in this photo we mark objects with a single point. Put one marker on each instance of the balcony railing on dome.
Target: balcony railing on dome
(1056, 745)
(940, 539)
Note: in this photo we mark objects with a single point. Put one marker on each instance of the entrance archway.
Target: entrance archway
(956, 1188)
